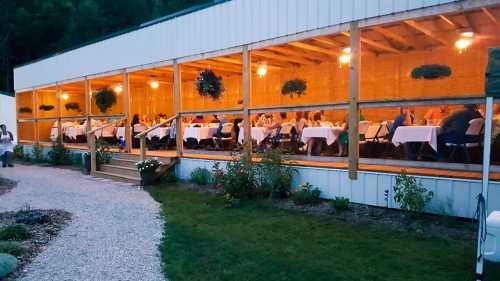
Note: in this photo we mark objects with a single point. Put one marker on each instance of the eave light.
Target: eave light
(464, 41)
(345, 57)
(262, 70)
(65, 96)
(154, 84)
(118, 89)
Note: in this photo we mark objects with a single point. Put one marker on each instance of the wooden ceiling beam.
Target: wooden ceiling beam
(491, 16)
(470, 23)
(313, 48)
(375, 44)
(394, 36)
(215, 67)
(327, 41)
(277, 56)
(288, 51)
(449, 21)
(427, 32)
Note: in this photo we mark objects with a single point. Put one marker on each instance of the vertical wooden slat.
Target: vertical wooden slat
(353, 100)
(126, 110)
(87, 103)
(59, 113)
(177, 102)
(93, 158)
(35, 116)
(247, 88)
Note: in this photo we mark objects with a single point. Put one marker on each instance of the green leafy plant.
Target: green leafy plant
(105, 99)
(103, 152)
(410, 195)
(58, 154)
(14, 232)
(201, 176)
(12, 248)
(25, 109)
(294, 87)
(275, 178)
(29, 216)
(431, 71)
(340, 204)
(209, 84)
(37, 154)
(46, 107)
(238, 180)
(231, 202)
(19, 152)
(306, 194)
(73, 106)
(169, 177)
(148, 165)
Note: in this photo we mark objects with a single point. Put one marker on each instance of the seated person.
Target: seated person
(198, 119)
(215, 119)
(405, 118)
(343, 140)
(455, 127)
(435, 115)
(300, 122)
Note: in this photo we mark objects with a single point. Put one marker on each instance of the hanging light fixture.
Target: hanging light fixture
(345, 57)
(118, 88)
(262, 70)
(154, 84)
(464, 41)
(65, 96)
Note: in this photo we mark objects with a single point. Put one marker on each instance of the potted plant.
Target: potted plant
(105, 99)
(72, 106)
(46, 107)
(431, 71)
(149, 170)
(209, 85)
(294, 87)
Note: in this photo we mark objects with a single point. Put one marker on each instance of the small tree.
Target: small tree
(275, 179)
(410, 195)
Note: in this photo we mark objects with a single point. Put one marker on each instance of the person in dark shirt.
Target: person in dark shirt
(455, 127)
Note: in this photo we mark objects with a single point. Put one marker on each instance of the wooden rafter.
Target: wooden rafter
(491, 16)
(449, 21)
(288, 51)
(216, 66)
(272, 55)
(427, 32)
(313, 48)
(375, 44)
(393, 36)
(327, 41)
(469, 23)
(240, 64)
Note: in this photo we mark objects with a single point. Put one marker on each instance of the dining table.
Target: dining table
(330, 134)
(199, 133)
(422, 134)
(259, 134)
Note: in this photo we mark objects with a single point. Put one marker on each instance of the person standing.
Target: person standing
(6, 146)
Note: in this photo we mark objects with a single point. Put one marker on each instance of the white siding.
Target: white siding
(8, 111)
(451, 196)
(223, 26)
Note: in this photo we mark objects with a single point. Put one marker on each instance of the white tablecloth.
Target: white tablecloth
(258, 134)
(199, 133)
(158, 132)
(120, 132)
(73, 131)
(54, 133)
(406, 134)
(330, 134)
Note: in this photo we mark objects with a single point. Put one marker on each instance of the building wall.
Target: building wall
(455, 197)
(8, 113)
(230, 24)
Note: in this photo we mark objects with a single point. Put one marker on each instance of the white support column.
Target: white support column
(353, 100)
(247, 88)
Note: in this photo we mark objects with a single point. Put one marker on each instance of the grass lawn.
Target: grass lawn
(205, 241)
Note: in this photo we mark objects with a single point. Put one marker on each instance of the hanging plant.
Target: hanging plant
(431, 71)
(209, 84)
(25, 109)
(105, 99)
(72, 106)
(46, 107)
(294, 87)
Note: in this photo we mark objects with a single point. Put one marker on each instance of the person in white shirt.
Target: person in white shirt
(6, 146)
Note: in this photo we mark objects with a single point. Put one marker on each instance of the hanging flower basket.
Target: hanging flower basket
(46, 107)
(105, 99)
(294, 87)
(431, 71)
(209, 85)
(72, 106)
(25, 109)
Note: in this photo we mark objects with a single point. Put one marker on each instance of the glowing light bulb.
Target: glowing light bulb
(154, 84)
(463, 44)
(65, 96)
(262, 70)
(467, 34)
(118, 89)
(345, 57)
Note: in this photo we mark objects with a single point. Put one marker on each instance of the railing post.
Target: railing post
(143, 147)
(177, 101)
(353, 101)
(92, 149)
(247, 84)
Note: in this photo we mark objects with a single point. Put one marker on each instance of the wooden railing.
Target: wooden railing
(142, 136)
(92, 146)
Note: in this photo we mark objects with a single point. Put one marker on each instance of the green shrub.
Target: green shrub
(201, 176)
(19, 152)
(410, 195)
(275, 179)
(12, 248)
(239, 178)
(14, 232)
(8, 264)
(58, 155)
(27, 157)
(169, 177)
(340, 204)
(32, 217)
(37, 154)
(305, 194)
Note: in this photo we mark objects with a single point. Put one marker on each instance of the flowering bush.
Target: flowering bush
(148, 165)
(306, 194)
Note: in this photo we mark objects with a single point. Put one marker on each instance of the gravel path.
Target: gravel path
(114, 234)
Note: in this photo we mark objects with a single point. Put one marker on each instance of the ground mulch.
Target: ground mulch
(40, 235)
(6, 185)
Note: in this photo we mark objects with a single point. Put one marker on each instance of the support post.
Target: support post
(142, 140)
(93, 158)
(485, 183)
(177, 101)
(88, 100)
(126, 110)
(35, 116)
(353, 100)
(58, 108)
(247, 88)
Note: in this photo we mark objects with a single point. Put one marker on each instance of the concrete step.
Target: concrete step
(123, 163)
(127, 156)
(120, 170)
(118, 177)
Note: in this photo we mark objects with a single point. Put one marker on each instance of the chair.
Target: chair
(472, 139)
(226, 135)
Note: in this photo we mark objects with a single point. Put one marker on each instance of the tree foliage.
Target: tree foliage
(30, 29)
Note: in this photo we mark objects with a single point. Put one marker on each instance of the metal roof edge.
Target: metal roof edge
(180, 13)
(7, 94)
